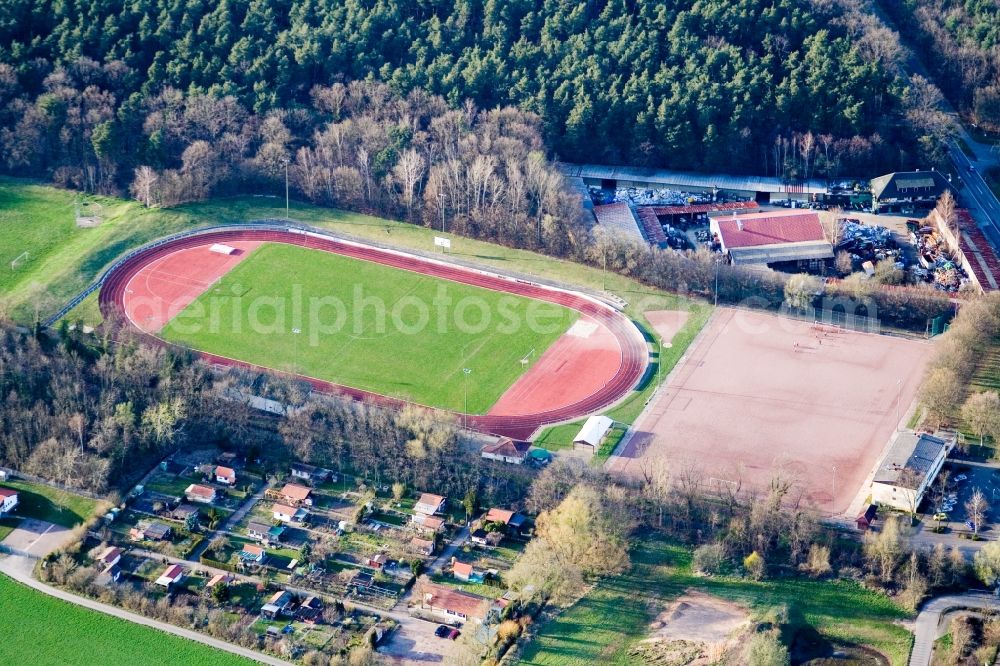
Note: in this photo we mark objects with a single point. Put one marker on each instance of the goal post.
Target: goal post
(19, 261)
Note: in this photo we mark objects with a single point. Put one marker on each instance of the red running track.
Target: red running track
(634, 351)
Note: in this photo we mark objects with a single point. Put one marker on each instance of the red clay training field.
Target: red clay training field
(758, 394)
(593, 365)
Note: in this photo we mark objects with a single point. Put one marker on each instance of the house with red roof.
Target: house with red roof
(784, 240)
(225, 475)
(453, 604)
(507, 450)
(110, 556)
(172, 575)
(8, 500)
(199, 493)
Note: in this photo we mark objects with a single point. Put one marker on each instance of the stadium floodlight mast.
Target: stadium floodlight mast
(295, 333)
(466, 372)
(287, 216)
(899, 396)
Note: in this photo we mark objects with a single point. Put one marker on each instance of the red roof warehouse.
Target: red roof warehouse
(773, 237)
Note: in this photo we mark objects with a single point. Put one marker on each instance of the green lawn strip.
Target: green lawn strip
(612, 617)
(45, 631)
(416, 352)
(51, 504)
(7, 526)
(87, 312)
(985, 378)
(67, 258)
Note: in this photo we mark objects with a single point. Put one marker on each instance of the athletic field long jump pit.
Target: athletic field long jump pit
(382, 325)
(760, 395)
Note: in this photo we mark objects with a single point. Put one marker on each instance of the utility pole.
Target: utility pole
(287, 217)
(717, 262)
(834, 497)
(899, 396)
(604, 274)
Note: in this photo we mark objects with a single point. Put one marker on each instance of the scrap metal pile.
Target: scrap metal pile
(648, 196)
(867, 242)
(938, 265)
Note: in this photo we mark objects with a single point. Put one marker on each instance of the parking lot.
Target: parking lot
(963, 479)
(37, 537)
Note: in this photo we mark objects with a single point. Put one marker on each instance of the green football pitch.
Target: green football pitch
(371, 327)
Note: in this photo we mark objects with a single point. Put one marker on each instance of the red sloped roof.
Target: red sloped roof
(7, 492)
(770, 228)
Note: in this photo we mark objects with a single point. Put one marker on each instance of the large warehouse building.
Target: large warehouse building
(784, 240)
(762, 189)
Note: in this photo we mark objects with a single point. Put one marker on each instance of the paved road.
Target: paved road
(928, 622)
(977, 195)
(19, 568)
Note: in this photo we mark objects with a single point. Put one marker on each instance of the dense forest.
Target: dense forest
(961, 44)
(87, 87)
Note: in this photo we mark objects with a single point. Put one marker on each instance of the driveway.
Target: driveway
(37, 537)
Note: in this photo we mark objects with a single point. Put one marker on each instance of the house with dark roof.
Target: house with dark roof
(909, 468)
(182, 512)
(156, 532)
(507, 450)
(279, 604)
(908, 190)
(784, 240)
(310, 473)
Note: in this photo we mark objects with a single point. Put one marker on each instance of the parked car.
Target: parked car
(940, 515)
(971, 525)
(442, 631)
(454, 633)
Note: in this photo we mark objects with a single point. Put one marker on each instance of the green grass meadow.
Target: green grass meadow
(604, 625)
(43, 502)
(396, 332)
(45, 631)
